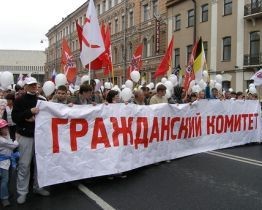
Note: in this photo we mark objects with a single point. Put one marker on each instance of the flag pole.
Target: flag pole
(89, 72)
(113, 78)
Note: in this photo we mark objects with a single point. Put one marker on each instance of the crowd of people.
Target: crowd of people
(17, 123)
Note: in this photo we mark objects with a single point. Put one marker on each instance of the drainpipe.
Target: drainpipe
(194, 36)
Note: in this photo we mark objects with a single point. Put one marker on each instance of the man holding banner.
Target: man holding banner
(23, 115)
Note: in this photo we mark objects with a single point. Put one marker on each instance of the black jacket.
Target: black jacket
(22, 111)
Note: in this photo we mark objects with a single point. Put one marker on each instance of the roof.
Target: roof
(22, 58)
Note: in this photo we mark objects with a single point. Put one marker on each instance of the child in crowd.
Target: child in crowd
(6, 148)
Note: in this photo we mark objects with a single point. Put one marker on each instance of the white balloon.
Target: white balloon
(230, 90)
(48, 88)
(163, 80)
(212, 83)
(219, 78)
(129, 84)
(84, 78)
(151, 84)
(252, 90)
(71, 89)
(196, 89)
(126, 94)
(116, 88)
(205, 74)
(202, 84)
(169, 85)
(108, 85)
(7, 78)
(135, 76)
(20, 83)
(173, 78)
(60, 79)
(168, 94)
(123, 86)
(218, 86)
(251, 85)
(97, 81)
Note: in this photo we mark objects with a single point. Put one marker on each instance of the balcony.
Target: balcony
(253, 60)
(253, 10)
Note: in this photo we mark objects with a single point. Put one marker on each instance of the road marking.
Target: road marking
(104, 205)
(237, 158)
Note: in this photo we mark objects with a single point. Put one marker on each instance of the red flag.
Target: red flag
(68, 65)
(166, 62)
(103, 31)
(189, 74)
(107, 55)
(79, 33)
(136, 62)
(97, 64)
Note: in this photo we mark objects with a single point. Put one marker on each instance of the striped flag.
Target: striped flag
(199, 60)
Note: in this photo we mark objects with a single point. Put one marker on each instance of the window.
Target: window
(116, 25)
(155, 7)
(254, 47)
(177, 23)
(73, 45)
(191, 18)
(103, 6)
(226, 48)
(205, 45)
(177, 57)
(256, 5)
(123, 22)
(145, 48)
(145, 9)
(110, 28)
(98, 9)
(204, 13)
(109, 4)
(189, 52)
(122, 58)
(130, 51)
(131, 18)
(227, 7)
(115, 55)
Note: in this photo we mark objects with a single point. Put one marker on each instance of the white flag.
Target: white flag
(257, 77)
(92, 40)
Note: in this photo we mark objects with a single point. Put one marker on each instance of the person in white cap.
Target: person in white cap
(23, 115)
(6, 149)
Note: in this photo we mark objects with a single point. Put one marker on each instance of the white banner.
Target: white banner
(83, 141)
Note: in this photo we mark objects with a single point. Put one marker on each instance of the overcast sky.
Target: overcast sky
(24, 23)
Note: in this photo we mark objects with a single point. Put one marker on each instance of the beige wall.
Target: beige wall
(233, 25)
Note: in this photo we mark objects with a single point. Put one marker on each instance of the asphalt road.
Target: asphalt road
(202, 181)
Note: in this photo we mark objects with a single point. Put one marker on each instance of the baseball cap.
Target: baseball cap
(3, 123)
(30, 80)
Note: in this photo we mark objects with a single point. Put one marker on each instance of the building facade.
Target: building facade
(131, 23)
(231, 34)
(26, 62)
